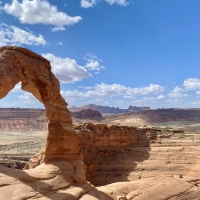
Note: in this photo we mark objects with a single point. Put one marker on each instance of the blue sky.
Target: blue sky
(110, 52)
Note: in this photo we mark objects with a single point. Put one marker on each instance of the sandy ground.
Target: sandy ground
(10, 137)
(185, 125)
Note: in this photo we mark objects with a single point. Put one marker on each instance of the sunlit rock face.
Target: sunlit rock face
(34, 72)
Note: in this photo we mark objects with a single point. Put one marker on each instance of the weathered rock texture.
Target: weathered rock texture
(34, 73)
(158, 163)
(157, 152)
(107, 149)
(121, 153)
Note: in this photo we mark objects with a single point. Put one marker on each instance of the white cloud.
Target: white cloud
(58, 28)
(39, 11)
(93, 63)
(88, 3)
(59, 43)
(28, 99)
(24, 100)
(97, 101)
(144, 100)
(11, 35)
(91, 3)
(198, 92)
(192, 84)
(174, 100)
(161, 97)
(119, 2)
(86, 88)
(65, 69)
(104, 90)
(152, 88)
(177, 92)
(119, 102)
(27, 96)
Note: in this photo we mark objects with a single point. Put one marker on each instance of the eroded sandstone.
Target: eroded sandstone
(59, 172)
(34, 72)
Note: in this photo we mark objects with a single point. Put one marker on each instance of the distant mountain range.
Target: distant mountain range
(24, 119)
(108, 109)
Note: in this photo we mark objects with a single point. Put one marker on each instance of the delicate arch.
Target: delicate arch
(34, 72)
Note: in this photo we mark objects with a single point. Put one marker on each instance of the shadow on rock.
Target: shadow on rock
(111, 164)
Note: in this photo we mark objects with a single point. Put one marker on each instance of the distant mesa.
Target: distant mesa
(138, 109)
(87, 114)
(108, 109)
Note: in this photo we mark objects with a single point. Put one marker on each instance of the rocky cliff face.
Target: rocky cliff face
(106, 149)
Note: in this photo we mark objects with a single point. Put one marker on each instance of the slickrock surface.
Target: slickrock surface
(157, 188)
(172, 154)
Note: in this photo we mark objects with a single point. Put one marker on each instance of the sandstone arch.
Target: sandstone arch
(34, 72)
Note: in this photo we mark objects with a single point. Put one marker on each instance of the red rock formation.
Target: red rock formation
(102, 135)
(34, 72)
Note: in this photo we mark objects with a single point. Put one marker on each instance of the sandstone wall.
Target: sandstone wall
(106, 151)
